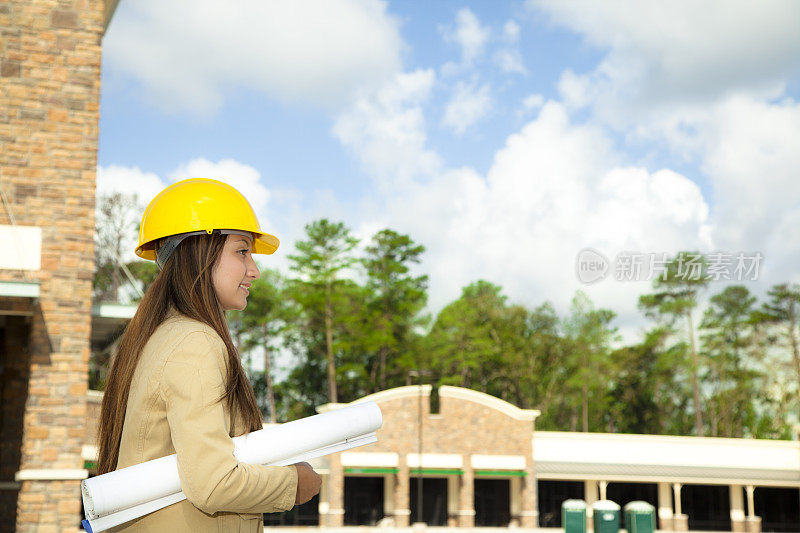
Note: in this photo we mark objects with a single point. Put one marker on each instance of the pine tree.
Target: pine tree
(395, 299)
(675, 299)
(321, 258)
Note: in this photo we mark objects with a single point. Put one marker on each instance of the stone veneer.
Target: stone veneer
(50, 54)
(468, 423)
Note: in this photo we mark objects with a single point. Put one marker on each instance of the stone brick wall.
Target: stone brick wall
(463, 427)
(50, 54)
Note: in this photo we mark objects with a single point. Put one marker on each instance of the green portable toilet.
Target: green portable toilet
(640, 517)
(606, 516)
(573, 516)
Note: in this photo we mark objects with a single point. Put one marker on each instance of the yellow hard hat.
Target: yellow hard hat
(199, 205)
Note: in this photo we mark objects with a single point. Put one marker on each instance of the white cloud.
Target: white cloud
(187, 53)
(750, 154)
(708, 81)
(508, 58)
(469, 34)
(468, 105)
(511, 31)
(532, 101)
(386, 129)
(240, 176)
(574, 90)
(553, 189)
(660, 53)
(129, 181)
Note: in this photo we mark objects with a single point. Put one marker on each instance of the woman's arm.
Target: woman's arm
(213, 480)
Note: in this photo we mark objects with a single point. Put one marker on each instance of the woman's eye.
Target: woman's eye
(244, 250)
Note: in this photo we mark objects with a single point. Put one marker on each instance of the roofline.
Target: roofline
(445, 391)
(109, 7)
(676, 439)
(487, 400)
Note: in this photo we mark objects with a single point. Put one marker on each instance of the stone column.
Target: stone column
(453, 500)
(466, 512)
(336, 491)
(590, 496)
(737, 508)
(680, 520)
(752, 522)
(402, 509)
(388, 495)
(529, 514)
(665, 518)
(515, 487)
(324, 500)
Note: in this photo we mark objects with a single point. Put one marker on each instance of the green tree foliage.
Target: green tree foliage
(782, 310)
(675, 298)
(534, 362)
(268, 314)
(115, 223)
(588, 334)
(726, 345)
(353, 323)
(394, 299)
(463, 346)
(648, 395)
(319, 261)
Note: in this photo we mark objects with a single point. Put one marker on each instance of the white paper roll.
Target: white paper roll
(117, 497)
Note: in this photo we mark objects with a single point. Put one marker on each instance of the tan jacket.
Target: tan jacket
(172, 408)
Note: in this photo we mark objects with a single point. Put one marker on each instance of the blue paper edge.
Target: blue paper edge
(87, 526)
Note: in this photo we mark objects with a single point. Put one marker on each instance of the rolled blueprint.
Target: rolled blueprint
(117, 497)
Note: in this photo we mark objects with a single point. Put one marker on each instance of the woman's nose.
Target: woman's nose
(252, 268)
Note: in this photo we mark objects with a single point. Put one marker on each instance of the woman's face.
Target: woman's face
(234, 272)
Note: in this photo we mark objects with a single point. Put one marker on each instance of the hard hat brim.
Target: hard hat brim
(264, 244)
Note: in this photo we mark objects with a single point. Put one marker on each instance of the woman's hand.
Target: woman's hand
(308, 483)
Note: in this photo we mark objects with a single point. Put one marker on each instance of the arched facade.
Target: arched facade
(475, 460)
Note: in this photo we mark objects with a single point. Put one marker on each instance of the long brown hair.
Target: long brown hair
(185, 284)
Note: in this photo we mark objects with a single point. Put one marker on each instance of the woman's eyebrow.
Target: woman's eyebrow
(244, 241)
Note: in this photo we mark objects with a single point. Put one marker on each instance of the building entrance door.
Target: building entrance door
(14, 373)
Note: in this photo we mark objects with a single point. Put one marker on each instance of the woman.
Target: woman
(176, 384)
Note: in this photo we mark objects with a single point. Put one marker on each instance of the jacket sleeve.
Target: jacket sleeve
(211, 477)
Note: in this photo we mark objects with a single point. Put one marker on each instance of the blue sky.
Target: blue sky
(274, 135)
(504, 136)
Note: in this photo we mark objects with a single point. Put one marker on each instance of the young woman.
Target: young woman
(176, 384)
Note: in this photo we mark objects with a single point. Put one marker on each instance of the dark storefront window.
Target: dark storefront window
(363, 500)
(624, 493)
(708, 507)
(551, 495)
(492, 502)
(434, 501)
(779, 508)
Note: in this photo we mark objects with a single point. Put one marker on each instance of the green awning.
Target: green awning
(367, 470)
(516, 473)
